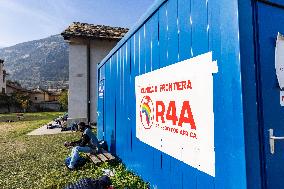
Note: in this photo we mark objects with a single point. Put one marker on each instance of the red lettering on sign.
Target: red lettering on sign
(161, 112)
(171, 112)
(179, 86)
(170, 86)
(183, 132)
(162, 87)
(193, 135)
(183, 84)
(189, 84)
(186, 109)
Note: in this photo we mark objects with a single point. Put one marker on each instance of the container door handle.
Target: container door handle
(272, 139)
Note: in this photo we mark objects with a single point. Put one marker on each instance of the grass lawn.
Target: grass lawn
(29, 162)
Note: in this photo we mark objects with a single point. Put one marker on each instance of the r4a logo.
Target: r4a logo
(185, 115)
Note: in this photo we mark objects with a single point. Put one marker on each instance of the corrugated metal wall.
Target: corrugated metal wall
(172, 31)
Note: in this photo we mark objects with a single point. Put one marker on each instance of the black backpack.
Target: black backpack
(88, 183)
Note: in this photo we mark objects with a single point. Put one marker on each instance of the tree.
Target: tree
(19, 100)
(63, 99)
(23, 101)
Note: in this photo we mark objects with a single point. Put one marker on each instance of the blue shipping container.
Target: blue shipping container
(241, 34)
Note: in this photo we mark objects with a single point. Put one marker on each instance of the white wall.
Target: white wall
(78, 78)
(77, 100)
(99, 49)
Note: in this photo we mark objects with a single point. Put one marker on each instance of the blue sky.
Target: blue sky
(26, 20)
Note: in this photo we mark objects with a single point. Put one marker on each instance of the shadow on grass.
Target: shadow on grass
(35, 162)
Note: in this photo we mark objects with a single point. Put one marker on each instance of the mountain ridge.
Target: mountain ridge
(42, 62)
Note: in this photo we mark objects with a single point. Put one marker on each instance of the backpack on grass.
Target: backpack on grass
(89, 183)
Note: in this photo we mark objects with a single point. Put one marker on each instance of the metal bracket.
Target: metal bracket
(272, 140)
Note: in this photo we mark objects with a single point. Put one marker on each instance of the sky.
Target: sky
(26, 20)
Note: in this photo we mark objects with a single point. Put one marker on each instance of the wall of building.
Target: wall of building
(99, 49)
(78, 76)
(39, 97)
(53, 97)
(10, 90)
(77, 99)
(2, 79)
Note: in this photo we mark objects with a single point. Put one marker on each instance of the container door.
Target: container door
(270, 18)
(101, 99)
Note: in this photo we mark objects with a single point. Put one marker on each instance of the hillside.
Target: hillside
(35, 63)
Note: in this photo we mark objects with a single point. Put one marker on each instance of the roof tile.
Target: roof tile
(92, 31)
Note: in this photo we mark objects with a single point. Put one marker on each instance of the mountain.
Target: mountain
(35, 63)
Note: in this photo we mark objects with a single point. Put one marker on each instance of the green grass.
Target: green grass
(28, 162)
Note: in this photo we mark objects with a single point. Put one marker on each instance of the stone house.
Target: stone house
(3, 75)
(13, 87)
(44, 100)
(88, 45)
(54, 95)
(40, 95)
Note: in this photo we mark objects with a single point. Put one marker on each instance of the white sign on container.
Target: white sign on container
(174, 111)
(279, 60)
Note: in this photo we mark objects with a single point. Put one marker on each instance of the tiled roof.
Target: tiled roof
(92, 31)
(39, 90)
(16, 86)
